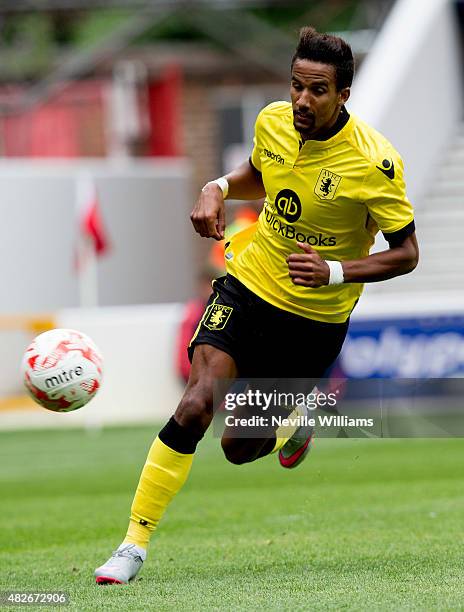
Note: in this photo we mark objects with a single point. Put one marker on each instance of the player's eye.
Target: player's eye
(296, 85)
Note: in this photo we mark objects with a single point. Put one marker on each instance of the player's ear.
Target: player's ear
(344, 94)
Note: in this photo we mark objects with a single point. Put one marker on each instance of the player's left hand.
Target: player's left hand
(308, 269)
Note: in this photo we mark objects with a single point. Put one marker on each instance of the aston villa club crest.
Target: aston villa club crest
(217, 317)
(327, 184)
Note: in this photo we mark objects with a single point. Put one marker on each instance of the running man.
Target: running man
(330, 183)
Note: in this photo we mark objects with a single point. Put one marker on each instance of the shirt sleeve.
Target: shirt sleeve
(384, 194)
(255, 154)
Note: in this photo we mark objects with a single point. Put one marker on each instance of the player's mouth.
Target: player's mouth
(303, 118)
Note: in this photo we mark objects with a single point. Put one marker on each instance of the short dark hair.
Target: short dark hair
(327, 49)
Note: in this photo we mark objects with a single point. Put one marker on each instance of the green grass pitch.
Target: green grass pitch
(362, 524)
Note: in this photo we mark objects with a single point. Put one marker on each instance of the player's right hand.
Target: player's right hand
(208, 214)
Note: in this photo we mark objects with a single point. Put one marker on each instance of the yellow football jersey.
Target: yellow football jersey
(334, 195)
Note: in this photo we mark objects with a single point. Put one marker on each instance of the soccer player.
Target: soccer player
(330, 182)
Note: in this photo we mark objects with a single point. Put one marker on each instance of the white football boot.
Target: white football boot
(123, 565)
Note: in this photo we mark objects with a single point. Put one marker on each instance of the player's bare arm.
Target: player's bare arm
(245, 183)
(208, 215)
(396, 261)
(308, 269)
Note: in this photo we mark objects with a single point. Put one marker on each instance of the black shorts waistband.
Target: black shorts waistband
(269, 308)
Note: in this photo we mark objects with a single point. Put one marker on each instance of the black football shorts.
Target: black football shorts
(265, 341)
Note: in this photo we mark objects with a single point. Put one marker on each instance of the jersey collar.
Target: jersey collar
(337, 132)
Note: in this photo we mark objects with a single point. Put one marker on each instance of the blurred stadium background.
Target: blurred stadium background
(113, 114)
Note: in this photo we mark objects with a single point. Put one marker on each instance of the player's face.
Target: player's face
(315, 100)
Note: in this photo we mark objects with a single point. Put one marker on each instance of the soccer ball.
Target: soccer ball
(62, 369)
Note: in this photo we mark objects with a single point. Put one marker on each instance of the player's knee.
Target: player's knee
(234, 452)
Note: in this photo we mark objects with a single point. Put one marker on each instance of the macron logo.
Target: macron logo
(277, 158)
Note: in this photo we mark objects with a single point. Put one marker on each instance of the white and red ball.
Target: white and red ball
(62, 369)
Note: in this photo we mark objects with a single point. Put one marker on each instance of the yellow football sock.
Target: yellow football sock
(163, 475)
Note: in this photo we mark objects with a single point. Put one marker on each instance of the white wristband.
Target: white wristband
(223, 184)
(336, 273)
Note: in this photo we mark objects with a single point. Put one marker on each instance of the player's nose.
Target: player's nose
(304, 102)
